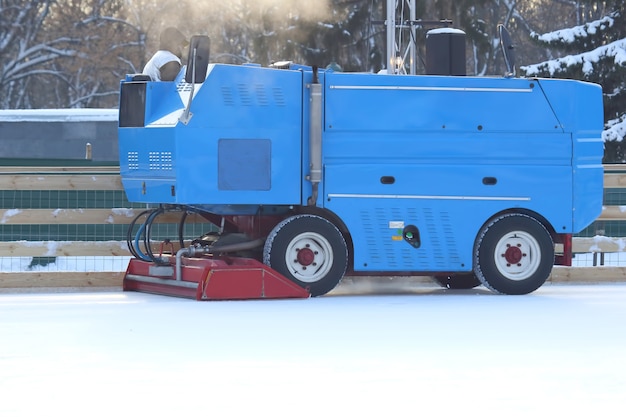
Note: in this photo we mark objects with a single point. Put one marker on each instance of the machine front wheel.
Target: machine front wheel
(513, 254)
(309, 250)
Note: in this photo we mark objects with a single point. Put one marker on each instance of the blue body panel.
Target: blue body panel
(444, 154)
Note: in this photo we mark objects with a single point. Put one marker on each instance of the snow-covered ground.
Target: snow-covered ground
(411, 350)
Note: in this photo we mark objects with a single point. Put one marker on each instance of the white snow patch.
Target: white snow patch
(615, 129)
(616, 50)
(120, 212)
(30, 244)
(9, 213)
(58, 212)
(52, 248)
(569, 35)
(445, 30)
(599, 239)
(123, 212)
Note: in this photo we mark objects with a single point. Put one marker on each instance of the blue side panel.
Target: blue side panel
(447, 203)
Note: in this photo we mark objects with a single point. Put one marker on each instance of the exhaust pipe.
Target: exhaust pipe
(315, 137)
(197, 251)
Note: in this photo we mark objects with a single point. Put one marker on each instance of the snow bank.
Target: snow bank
(616, 50)
(570, 35)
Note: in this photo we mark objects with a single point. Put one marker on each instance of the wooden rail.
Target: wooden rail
(108, 179)
(77, 216)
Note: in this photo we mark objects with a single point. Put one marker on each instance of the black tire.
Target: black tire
(513, 254)
(308, 250)
(458, 281)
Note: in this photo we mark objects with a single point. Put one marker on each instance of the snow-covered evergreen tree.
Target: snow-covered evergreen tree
(597, 53)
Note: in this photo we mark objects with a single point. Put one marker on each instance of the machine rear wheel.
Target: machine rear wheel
(514, 254)
(309, 250)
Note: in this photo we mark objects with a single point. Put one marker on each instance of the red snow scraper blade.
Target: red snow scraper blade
(211, 279)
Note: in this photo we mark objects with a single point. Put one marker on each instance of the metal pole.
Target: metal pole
(413, 40)
(391, 36)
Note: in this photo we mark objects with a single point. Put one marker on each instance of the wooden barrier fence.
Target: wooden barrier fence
(107, 178)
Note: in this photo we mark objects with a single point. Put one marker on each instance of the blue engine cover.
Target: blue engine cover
(242, 145)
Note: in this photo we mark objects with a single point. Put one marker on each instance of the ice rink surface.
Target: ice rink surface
(419, 351)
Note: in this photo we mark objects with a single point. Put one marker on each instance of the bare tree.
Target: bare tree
(72, 53)
(22, 55)
(64, 53)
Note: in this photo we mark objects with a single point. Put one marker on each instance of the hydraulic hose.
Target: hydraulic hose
(133, 245)
(147, 235)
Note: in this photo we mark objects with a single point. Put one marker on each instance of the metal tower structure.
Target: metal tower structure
(401, 27)
(401, 47)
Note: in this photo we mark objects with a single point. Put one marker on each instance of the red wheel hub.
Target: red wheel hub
(513, 254)
(306, 256)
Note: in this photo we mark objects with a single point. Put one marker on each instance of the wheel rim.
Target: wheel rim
(309, 257)
(517, 255)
